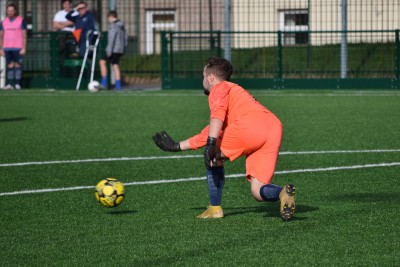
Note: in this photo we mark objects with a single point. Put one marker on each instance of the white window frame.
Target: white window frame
(290, 28)
(151, 26)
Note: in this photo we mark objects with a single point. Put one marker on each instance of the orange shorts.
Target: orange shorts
(259, 139)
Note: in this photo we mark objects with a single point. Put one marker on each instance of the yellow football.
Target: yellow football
(109, 192)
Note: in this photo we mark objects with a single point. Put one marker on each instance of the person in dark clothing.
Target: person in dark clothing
(84, 24)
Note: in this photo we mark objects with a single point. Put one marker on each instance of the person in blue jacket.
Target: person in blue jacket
(84, 22)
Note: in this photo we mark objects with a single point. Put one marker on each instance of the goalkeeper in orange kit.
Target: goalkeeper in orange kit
(239, 126)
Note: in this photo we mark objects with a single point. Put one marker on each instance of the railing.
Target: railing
(52, 61)
(280, 59)
(260, 59)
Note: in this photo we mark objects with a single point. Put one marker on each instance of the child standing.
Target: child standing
(117, 42)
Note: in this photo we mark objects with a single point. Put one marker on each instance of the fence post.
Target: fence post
(99, 11)
(397, 58)
(171, 55)
(137, 23)
(164, 60)
(54, 60)
(219, 44)
(279, 61)
(112, 5)
(343, 45)
(227, 28)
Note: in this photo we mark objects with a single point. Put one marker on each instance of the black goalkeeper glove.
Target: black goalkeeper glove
(165, 142)
(210, 152)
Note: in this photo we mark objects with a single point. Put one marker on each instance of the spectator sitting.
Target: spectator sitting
(60, 22)
(84, 22)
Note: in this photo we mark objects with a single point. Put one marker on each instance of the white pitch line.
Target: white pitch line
(191, 179)
(338, 151)
(96, 160)
(187, 156)
(341, 168)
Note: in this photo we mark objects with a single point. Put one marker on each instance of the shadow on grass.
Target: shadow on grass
(122, 212)
(269, 210)
(273, 211)
(13, 119)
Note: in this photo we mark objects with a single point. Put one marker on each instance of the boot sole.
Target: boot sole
(287, 211)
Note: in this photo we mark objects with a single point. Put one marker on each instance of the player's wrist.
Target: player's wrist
(177, 147)
(211, 140)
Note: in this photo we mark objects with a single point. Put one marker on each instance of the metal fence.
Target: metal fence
(52, 61)
(262, 60)
(283, 39)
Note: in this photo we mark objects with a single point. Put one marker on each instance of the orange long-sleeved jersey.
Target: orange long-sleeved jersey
(228, 102)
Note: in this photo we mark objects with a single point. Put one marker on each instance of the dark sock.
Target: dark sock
(10, 76)
(18, 75)
(215, 180)
(270, 192)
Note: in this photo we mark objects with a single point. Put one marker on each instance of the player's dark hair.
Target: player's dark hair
(63, 1)
(15, 8)
(220, 67)
(112, 13)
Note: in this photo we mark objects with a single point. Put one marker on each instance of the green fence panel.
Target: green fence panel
(397, 58)
(266, 60)
(52, 61)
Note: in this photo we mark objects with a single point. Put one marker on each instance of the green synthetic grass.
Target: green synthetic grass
(344, 217)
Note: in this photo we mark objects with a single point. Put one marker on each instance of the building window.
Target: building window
(295, 22)
(157, 21)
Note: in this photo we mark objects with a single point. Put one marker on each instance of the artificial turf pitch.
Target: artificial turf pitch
(340, 148)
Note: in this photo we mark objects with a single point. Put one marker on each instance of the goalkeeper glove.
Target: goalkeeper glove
(165, 142)
(210, 152)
